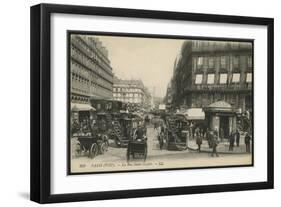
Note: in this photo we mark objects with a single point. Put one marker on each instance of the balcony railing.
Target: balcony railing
(220, 87)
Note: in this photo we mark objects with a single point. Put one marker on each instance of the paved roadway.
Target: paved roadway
(115, 158)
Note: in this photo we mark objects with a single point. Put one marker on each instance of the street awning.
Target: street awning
(220, 107)
(194, 114)
(81, 107)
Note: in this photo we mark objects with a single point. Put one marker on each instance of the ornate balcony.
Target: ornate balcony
(246, 87)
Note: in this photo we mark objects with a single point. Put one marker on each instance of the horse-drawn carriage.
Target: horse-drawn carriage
(122, 128)
(90, 144)
(137, 146)
(176, 132)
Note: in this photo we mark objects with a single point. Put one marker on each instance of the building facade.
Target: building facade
(131, 91)
(211, 71)
(91, 73)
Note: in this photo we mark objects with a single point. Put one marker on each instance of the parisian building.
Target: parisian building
(210, 71)
(91, 73)
(131, 91)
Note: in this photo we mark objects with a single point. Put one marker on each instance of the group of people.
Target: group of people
(161, 135)
(212, 138)
(235, 138)
(87, 126)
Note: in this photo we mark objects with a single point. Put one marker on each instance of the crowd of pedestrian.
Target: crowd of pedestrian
(214, 138)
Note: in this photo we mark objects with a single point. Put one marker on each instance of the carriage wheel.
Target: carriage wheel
(106, 145)
(93, 151)
(103, 148)
(117, 142)
(145, 154)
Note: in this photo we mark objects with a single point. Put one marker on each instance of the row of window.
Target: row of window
(239, 101)
(79, 98)
(222, 46)
(127, 89)
(130, 100)
(86, 82)
(223, 78)
(92, 51)
(127, 95)
(79, 69)
(97, 45)
(91, 91)
(85, 60)
(209, 61)
(80, 90)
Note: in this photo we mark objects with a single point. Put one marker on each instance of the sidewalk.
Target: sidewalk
(223, 147)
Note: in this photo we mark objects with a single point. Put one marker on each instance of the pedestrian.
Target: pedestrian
(94, 129)
(198, 141)
(208, 137)
(140, 134)
(161, 140)
(155, 125)
(221, 134)
(247, 142)
(231, 140)
(147, 120)
(191, 128)
(214, 144)
(202, 132)
(75, 126)
(237, 138)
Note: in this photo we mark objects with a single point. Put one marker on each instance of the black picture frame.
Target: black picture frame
(40, 186)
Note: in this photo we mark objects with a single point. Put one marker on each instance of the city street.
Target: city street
(115, 158)
(195, 92)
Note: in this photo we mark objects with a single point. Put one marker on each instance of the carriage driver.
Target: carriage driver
(140, 134)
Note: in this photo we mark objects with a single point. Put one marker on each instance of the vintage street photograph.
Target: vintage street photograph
(140, 102)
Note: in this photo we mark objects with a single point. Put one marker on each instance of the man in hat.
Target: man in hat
(214, 143)
(247, 142)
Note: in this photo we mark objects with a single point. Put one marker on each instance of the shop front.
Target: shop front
(81, 111)
(221, 117)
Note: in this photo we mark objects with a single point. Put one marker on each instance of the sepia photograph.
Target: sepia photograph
(158, 102)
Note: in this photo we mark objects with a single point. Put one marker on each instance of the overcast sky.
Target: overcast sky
(148, 59)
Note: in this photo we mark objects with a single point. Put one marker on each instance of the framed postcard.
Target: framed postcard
(132, 103)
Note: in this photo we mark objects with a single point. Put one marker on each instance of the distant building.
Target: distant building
(211, 71)
(131, 91)
(169, 96)
(157, 101)
(91, 73)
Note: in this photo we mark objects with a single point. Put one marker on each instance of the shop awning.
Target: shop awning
(194, 114)
(220, 107)
(81, 107)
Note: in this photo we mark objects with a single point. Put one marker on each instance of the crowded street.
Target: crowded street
(159, 103)
(115, 157)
